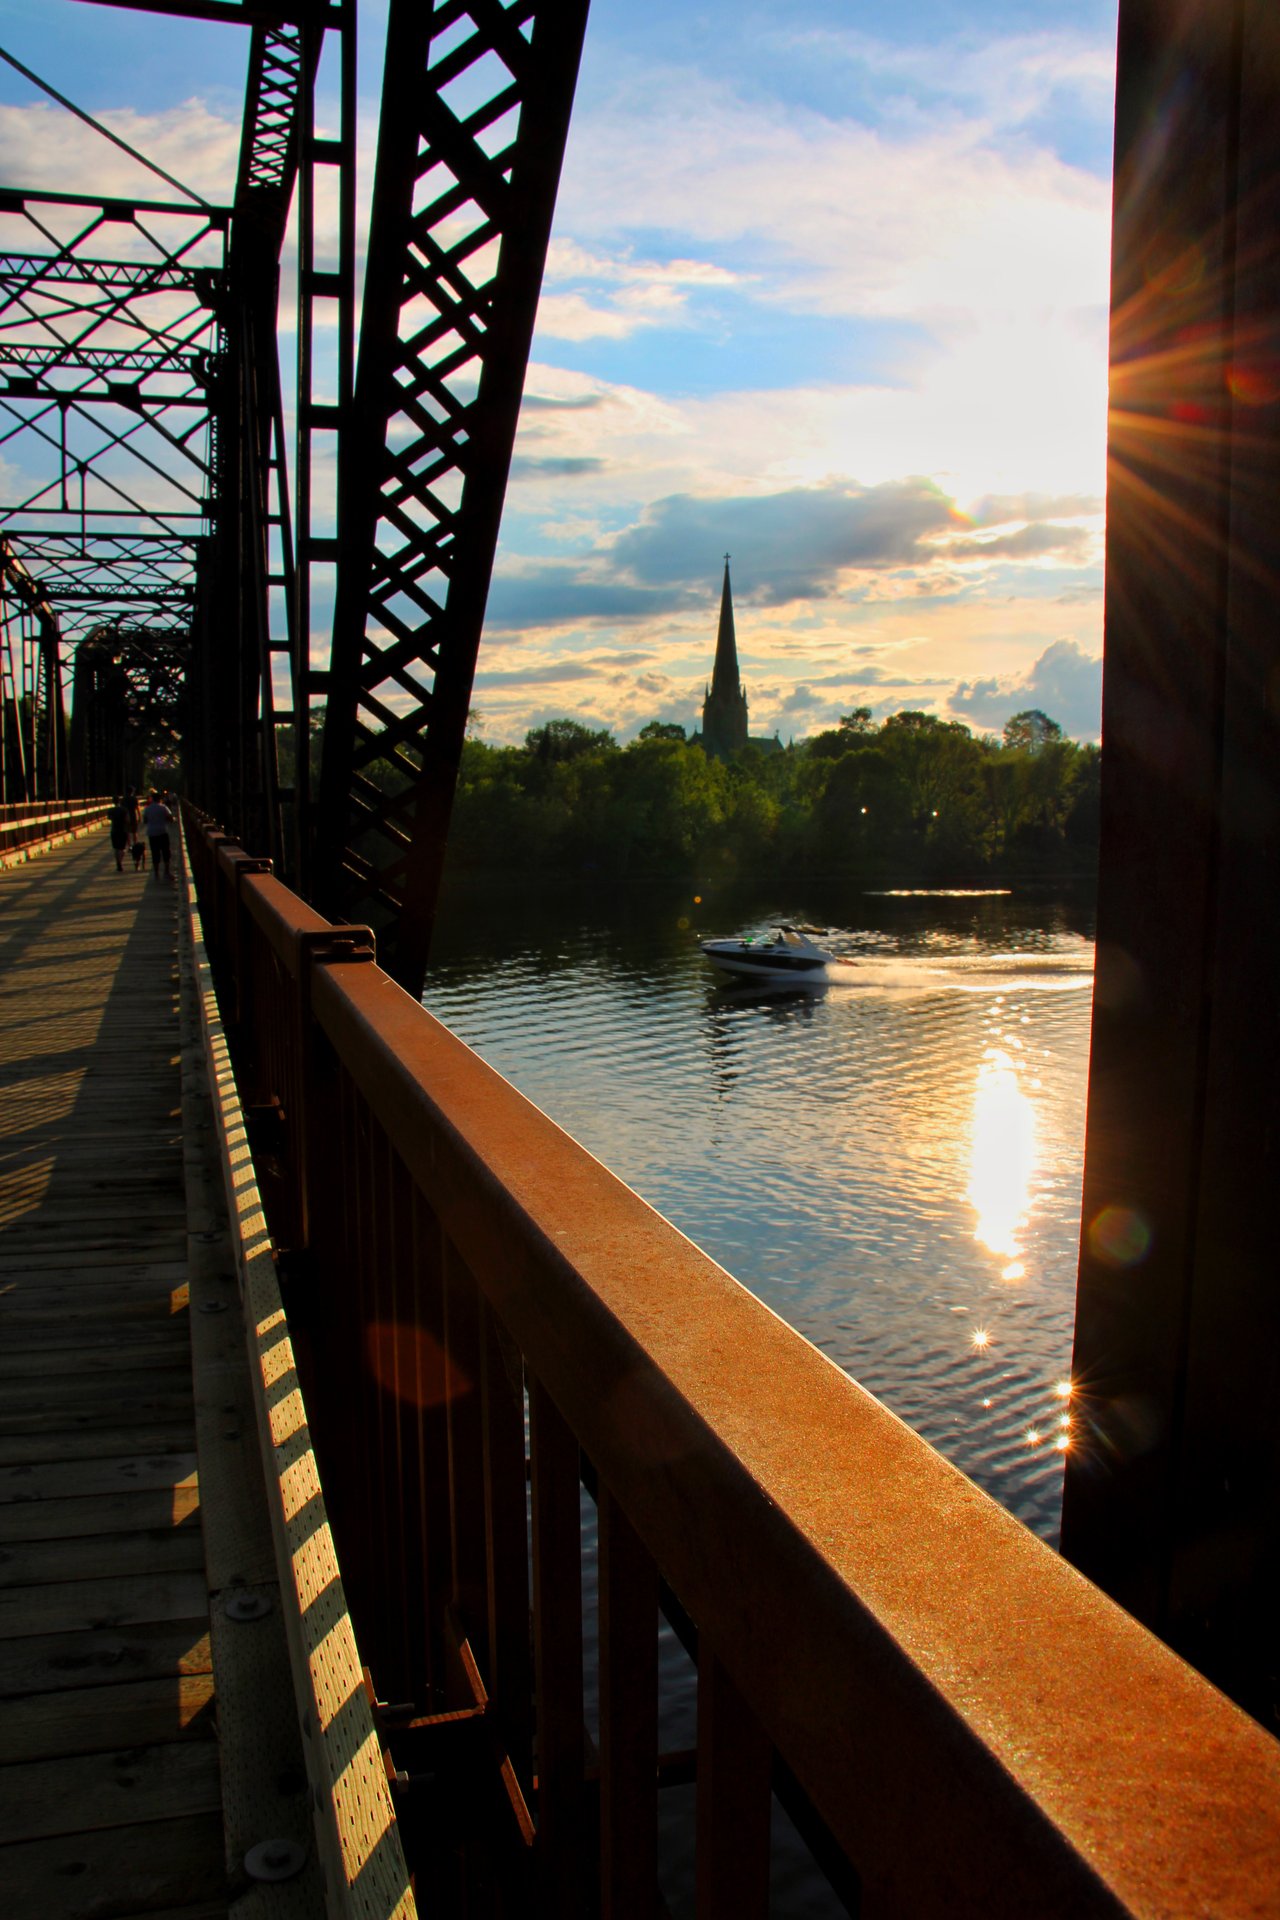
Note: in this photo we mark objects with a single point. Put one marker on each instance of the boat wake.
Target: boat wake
(993, 973)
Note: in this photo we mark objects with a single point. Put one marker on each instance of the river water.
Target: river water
(892, 1161)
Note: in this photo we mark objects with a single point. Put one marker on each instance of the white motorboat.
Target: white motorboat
(789, 955)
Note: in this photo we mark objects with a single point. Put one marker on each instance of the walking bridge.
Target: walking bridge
(366, 1609)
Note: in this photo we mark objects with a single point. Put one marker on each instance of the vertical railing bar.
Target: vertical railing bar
(362, 1390)
(376, 1329)
(628, 1718)
(507, 1541)
(734, 1801)
(466, 1454)
(557, 1624)
(829, 1857)
(383, 1336)
(433, 1444)
(410, 1387)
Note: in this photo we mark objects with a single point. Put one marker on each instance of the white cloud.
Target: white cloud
(1016, 414)
(1065, 682)
(575, 316)
(611, 295)
(44, 147)
(932, 219)
(568, 260)
(1006, 82)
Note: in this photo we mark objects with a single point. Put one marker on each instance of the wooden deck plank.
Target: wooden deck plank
(102, 1343)
(37, 1236)
(42, 1563)
(106, 1349)
(99, 1876)
(85, 1793)
(104, 1656)
(83, 1217)
(123, 1275)
(26, 1449)
(72, 1517)
(62, 1384)
(138, 1713)
(34, 1304)
(101, 1603)
(96, 1411)
(123, 1264)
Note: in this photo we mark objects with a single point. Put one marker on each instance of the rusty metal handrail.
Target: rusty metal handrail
(980, 1730)
(28, 824)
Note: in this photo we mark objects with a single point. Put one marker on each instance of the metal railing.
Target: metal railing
(486, 1320)
(33, 823)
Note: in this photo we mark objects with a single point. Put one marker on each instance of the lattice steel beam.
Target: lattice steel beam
(107, 207)
(475, 112)
(232, 12)
(268, 153)
(143, 361)
(54, 589)
(27, 270)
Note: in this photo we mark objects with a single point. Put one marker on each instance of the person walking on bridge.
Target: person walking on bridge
(137, 843)
(118, 822)
(157, 820)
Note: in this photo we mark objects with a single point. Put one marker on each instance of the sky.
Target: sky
(827, 290)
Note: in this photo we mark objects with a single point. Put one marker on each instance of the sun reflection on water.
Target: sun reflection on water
(1003, 1159)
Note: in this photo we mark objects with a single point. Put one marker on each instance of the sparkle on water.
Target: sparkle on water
(891, 1160)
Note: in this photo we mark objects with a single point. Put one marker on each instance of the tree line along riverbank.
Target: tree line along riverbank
(912, 795)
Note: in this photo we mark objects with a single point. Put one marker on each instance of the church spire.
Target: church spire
(725, 678)
(724, 711)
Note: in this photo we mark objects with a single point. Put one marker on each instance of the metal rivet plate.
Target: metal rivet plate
(244, 1605)
(275, 1860)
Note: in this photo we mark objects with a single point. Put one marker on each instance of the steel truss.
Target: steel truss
(239, 578)
(108, 352)
(33, 742)
(475, 112)
(129, 688)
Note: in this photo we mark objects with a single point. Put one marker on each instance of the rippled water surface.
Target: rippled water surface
(892, 1161)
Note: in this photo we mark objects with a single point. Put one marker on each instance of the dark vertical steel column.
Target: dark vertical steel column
(280, 148)
(1171, 1493)
(53, 729)
(257, 389)
(199, 718)
(321, 155)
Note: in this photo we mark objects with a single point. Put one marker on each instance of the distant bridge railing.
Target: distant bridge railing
(488, 1320)
(26, 824)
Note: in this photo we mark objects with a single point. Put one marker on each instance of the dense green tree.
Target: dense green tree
(565, 740)
(914, 795)
(1031, 730)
